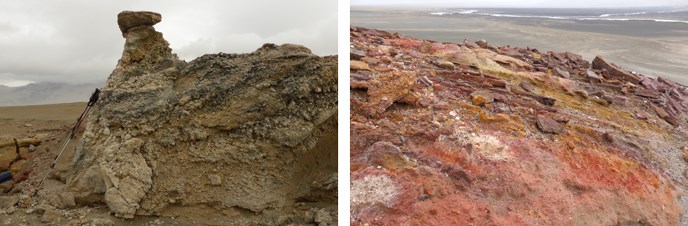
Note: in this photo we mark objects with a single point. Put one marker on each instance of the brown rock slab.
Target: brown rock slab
(663, 114)
(7, 141)
(130, 19)
(614, 71)
(549, 125)
(647, 93)
(358, 65)
(26, 142)
(7, 156)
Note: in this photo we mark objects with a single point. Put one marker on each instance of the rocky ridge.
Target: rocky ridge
(477, 134)
(248, 137)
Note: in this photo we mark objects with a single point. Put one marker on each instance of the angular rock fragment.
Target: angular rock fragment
(614, 71)
(647, 93)
(549, 125)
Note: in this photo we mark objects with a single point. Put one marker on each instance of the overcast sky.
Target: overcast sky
(522, 3)
(78, 41)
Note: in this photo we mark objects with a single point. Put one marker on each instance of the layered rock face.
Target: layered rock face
(477, 134)
(225, 131)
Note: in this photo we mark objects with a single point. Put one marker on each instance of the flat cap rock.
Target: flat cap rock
(130, 19)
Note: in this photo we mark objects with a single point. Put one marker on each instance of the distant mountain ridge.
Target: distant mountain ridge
(46, 93)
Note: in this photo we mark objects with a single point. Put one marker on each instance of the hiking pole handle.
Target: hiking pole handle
(94, 97)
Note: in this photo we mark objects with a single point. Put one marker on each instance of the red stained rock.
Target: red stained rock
(387, 88)
(438, 159)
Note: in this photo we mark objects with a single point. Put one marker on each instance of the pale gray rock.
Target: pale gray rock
(162, 124)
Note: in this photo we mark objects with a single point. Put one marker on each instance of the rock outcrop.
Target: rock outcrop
(223, 133)
(509, 136)
(16, 156)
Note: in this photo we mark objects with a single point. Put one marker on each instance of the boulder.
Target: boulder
(600, 63)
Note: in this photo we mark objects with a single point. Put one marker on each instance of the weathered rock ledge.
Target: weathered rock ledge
(478, 134)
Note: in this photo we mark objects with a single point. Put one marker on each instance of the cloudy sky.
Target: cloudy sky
(78, 41)
(522, 3)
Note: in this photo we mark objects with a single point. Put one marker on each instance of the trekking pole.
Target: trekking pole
(91, 102)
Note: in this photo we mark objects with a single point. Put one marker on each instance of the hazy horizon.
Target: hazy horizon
(520, 4)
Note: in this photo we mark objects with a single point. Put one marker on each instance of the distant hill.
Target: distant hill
(46, 93)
